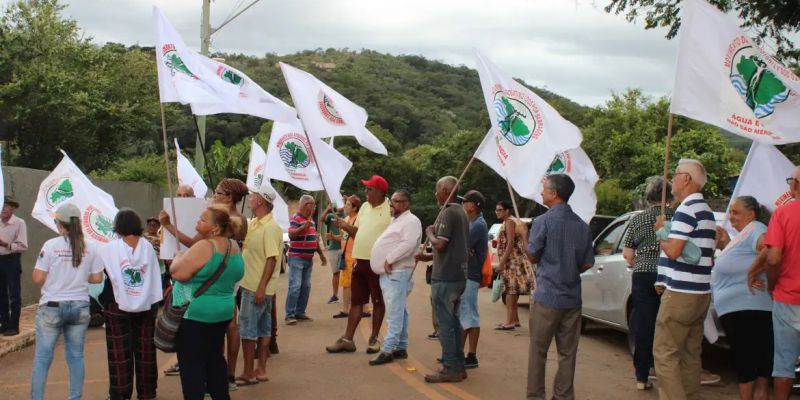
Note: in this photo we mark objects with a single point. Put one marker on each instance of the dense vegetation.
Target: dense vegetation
(100, 104)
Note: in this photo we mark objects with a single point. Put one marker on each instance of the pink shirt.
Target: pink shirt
(784, 233)
(15, 234)
(397, 244)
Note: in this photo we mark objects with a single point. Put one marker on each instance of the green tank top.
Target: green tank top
(216, 304)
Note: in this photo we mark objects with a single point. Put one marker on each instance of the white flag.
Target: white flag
(252, 99)
(182, 77)
(187, 175)
(579, 167)
(327, 113)
(527, 133)
(764, 176)
(255, 178)
(67, 184)
(724, 79)
(290, 159)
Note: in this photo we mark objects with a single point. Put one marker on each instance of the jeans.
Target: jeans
(396, 287)
(71, 317)
(299, 286)
(645, 302)
(446, 297)
(10, 292)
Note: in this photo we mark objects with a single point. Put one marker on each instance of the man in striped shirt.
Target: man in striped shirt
(303, 243)
(685, 286)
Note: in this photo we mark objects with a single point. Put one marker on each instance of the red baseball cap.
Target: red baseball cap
(377, 182)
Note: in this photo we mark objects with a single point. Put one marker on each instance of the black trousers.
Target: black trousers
(10, 292)
(645, 303)
(203, 367)
(749, 332)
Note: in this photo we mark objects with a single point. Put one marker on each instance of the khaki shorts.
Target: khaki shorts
(333, 260)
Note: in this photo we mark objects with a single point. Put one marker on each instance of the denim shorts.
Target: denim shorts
(786, 327)
(255, 320)
(468, 308)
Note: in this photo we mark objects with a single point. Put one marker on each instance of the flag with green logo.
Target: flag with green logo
(527, 133)
(182, 77)
(187, 175)
(67, 184)
(256, 179)
(723, 78)
(576, 164)
(296, 158)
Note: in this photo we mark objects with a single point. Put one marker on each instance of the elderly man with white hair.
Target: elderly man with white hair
(685, 284)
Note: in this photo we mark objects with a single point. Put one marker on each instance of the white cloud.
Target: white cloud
(572, 48)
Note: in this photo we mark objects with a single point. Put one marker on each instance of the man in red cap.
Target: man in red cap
(373, 218)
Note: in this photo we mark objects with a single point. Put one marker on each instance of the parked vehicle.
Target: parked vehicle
(606, 287)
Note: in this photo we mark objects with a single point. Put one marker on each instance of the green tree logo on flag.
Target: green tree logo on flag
(98, 226)
(327, 109)
(174, 62)
(517, 116)
(760, 89)
(58, 191)
(230, 76)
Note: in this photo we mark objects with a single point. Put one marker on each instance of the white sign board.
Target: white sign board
(189, 210)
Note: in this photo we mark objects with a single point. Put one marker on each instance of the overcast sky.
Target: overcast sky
(571, 47)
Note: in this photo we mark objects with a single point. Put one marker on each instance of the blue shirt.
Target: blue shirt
(478, 246)
(729, 276)
(693, 222)
(563, 244)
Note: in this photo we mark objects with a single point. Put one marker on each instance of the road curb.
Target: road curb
(27, 332)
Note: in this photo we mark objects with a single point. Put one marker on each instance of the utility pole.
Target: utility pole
(205, 41)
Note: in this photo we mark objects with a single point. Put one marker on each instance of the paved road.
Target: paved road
(303, 370)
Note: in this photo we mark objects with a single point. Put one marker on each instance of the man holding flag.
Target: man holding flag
(13, 242)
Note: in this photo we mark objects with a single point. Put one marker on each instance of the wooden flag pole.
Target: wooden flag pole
(169, 176)
(513, 198)
(452, 194)
(666, 166)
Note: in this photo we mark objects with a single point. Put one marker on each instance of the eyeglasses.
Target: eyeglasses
(675, 175)
(399, 201)
(221, 193)
(790, 179)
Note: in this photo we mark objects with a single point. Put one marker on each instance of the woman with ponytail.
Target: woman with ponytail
(130, 299)
(199, 341)
(64, 269)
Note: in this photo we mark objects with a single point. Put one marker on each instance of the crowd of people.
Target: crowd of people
(226, 284)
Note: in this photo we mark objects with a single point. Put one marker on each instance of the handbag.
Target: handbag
(486, 270)
(497, 288)
(428, 273)
(169, 321)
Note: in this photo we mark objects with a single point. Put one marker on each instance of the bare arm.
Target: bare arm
(510, 232)
(630, 256)
(269, 269)
(438, 243)
(39, 277)
(96, 278)
(184, 239)
(773, 265)
(186, 265)
(673, 248)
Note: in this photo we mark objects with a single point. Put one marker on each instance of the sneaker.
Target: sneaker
(173, 370)
(400, 354)
(707, 378)
(644, 385)
(383, 358)
(342, 345)
(303, 318)
(232, 384)
(434, 336)
(333, 300)
(291, 321)
(374, 345)
(11, 332)
(471, 361)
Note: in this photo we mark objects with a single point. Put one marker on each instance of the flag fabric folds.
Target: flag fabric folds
(182, 76)
(67, 184)
(187, 175)
(291, 158)
(325, 113)
(527, 133)
(576, 164)
(764, 176)
(723, 78)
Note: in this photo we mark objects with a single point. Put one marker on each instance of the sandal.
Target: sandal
(504, 327)
(341, 314)
(242, 381)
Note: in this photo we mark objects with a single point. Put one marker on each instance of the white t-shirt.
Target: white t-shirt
(65, 282)
(133, 273)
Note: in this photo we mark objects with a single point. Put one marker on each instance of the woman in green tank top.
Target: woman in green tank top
(200, 338)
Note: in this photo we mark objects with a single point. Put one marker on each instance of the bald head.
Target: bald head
(184, 191)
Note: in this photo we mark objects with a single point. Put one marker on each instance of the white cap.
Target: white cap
(266, 192)
(66, 212)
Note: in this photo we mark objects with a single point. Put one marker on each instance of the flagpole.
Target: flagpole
(666, 166)
(169, 176)
(316, 164)
(513, 198)
(203, 150)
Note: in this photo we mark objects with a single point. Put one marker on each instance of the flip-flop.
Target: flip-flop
(502, 327)
(262, 378)
(242, 381)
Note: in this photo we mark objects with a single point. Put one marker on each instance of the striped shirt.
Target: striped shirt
(694, 222)
(303, 246)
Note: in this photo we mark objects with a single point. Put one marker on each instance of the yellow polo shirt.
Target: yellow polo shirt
(371, 222)
(264, 240)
